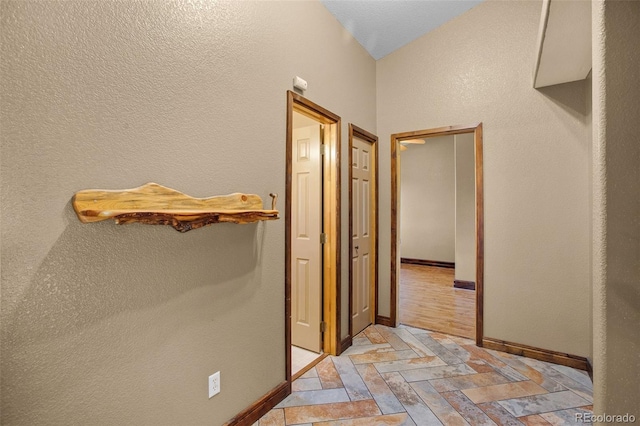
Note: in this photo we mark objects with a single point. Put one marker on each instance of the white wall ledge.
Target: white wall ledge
(564, 42)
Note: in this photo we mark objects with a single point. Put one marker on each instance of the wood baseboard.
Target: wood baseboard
(383, 321)
(437, 263)
(569, 360)
(590, 369)
(465, 285)
(345, 344)
(262, 406)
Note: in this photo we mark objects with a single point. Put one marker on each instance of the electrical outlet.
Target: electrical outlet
(214, 384)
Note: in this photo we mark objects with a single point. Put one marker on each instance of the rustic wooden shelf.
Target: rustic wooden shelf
(155, 204)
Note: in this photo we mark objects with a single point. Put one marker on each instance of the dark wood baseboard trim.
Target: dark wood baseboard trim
(309, 366)
(465, 285)
(345, 344)
(262, 406)
(590, 369)
(437, 263)
(569, 360)
(383, 321)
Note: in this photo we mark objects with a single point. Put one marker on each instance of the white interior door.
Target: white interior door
(306, 226)
(361, 240)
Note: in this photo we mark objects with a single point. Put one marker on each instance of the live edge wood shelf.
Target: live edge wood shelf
(155, 204)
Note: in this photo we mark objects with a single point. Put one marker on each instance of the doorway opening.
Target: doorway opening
(363, 229)
(312, 254)
(460, 239)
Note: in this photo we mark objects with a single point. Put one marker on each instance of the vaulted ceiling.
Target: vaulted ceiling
(382, 26)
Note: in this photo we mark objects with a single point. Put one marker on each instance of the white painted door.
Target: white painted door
(306, 226)
(361, 240)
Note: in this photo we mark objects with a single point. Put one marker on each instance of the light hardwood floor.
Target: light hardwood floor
(428, 300)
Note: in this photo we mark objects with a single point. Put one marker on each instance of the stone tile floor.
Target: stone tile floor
(409, 376)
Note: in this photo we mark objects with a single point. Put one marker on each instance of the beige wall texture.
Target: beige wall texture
(616, 214)
(428, 197)
(465, 207)
(478, 68)
(107, 324)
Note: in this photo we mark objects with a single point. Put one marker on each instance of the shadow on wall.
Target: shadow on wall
(96, 271)
(571, 97)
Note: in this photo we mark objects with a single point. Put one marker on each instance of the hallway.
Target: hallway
(410, 376)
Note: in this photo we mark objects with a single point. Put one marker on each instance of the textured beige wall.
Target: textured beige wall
(616, 231)
(478, 68)
(589, 102)
(465, 207)
(106, 324)
(427, 207)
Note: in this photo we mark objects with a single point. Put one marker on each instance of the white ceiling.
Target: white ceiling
(382, 26)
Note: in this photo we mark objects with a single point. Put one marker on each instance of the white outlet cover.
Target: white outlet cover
(214, 384)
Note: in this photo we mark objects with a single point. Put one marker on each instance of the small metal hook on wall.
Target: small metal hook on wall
(274, 199)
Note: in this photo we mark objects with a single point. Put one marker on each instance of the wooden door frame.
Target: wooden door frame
(476, 129)
(357, 132)
(330, 217)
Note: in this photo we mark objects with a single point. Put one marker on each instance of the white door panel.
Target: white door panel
(306, 256)
(362, 262)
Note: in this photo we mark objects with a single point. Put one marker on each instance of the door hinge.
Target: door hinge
(323, 326)
(323, 238)
(323, 149)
